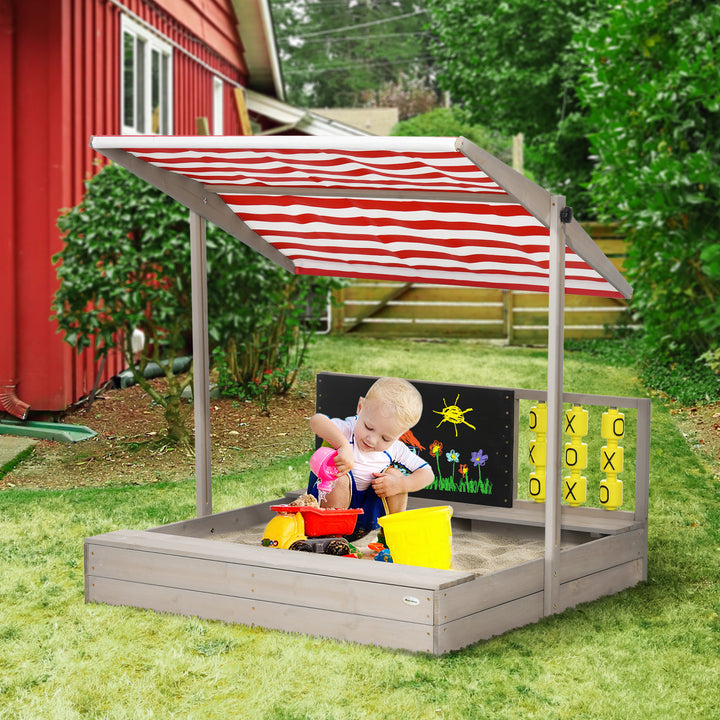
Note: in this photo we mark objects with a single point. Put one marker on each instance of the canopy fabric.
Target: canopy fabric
(431, 210)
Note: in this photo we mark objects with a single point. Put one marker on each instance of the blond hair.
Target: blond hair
(402, 397)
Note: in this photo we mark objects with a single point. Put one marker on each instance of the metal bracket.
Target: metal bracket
(566, 215)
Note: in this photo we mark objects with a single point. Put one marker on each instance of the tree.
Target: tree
(510, 66)
(444, 122)
(333, 52)
(652, 93)
(410, 95)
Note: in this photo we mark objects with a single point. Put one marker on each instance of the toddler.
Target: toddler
(368, 449)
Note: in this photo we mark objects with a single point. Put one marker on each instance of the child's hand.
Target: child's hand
(388, 483)
(344, 459)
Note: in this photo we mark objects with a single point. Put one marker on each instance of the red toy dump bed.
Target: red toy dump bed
(323, 521)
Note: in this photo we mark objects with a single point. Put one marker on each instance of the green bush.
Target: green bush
(126, 265)
(651, 87)
(260, 353)
(510, 65)
(445, 122)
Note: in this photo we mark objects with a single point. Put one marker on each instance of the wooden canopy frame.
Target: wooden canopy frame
(176, 166)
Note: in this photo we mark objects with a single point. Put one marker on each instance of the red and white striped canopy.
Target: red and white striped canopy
(437, 210)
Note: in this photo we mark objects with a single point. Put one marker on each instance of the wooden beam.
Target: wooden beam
(382, 194)
(243, 116)
(393, 295)
(553, 488)
(202, 126)
(201, 365)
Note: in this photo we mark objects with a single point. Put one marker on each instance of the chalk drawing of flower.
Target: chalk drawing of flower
(463, 470)
(436, 449)
(477, 458)
(452, 457)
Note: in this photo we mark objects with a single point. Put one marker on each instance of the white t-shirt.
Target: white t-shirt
(367, 463)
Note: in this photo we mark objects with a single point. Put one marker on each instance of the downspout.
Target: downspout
(9, 401)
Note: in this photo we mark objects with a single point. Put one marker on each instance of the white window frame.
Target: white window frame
(137, 92)
(218, 106)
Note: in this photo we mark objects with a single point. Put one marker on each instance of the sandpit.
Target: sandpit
(477, 552)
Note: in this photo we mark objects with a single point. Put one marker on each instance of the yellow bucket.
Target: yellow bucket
(420, 537)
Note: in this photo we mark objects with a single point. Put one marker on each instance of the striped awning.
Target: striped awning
(437, 210)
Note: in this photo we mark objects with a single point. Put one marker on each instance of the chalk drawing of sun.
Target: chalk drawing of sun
(453, 414)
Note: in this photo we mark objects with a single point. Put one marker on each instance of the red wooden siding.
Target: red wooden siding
(60, 70)
(212, 21)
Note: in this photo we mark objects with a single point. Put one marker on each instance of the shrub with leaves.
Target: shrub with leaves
(652, 90)
(510, 66)
(258, 353)
(447, 122)
(126, 265)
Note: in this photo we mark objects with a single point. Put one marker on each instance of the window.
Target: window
(218, 106)
(146, 67)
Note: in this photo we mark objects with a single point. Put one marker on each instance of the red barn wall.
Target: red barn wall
(60, 67)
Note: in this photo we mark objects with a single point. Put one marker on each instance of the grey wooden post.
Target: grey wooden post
(201, 365)
(553, 487)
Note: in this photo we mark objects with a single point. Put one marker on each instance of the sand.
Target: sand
(476, 552)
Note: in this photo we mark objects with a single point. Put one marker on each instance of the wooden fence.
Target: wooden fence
(434, 311)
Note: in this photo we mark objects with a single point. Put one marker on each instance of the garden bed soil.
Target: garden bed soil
(130, 446)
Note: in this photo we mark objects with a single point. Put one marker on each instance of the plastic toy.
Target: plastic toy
(538, 451)
(311, 529)
(322, 463)
(611, 457)
(286, 531)
(420, 537)
(576, 454)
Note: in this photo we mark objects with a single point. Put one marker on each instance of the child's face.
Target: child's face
(376, 428)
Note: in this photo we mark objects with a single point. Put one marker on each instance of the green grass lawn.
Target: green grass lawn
(649, 652)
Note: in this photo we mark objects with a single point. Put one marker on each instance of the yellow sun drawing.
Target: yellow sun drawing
(453, 414)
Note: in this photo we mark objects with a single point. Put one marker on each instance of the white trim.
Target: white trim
(164, 38)
(142, 112)
(305, 121)
(280, 142)
(218, 106)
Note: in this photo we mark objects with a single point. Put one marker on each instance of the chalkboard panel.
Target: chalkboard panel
(465, 434)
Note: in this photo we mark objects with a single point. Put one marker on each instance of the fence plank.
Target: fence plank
(389, 309)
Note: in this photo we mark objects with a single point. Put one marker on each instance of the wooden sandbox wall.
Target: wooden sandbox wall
(187, 568)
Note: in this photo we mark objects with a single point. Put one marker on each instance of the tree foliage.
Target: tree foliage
(410, 95)
(126, 265)
(510, 66)
(652, 89)
(340, 53)
(446, 122)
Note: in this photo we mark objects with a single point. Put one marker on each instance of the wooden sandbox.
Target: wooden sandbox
(182, 568)
(413, 210)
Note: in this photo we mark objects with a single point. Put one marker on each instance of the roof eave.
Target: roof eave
(303, 121)
(255, 28)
